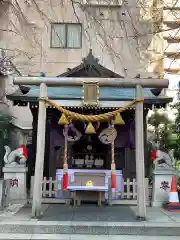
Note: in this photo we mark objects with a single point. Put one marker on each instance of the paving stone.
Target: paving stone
(90, 220)
(61, 212)
(89, 213)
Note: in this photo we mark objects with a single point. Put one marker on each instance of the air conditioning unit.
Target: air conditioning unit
(102, 2)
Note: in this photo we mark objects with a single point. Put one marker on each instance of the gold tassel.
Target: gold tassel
(63, 120)
(118, 120)
(90, 129)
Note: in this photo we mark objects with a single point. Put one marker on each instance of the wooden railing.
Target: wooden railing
(50, 192)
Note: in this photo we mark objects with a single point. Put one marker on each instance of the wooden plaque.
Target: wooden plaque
(90, 93)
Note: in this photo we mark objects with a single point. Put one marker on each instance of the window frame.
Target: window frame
(66, 35)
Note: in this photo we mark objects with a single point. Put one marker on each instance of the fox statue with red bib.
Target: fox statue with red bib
(161, 159)
(16, 157)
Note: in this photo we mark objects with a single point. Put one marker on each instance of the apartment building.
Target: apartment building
(51, 36)
(54, 36)
(172, 45)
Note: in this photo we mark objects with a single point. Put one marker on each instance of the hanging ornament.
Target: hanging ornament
(65, 177)
(118, 120)
(63, 120)
(74, 134)
(65, 165)
(113, 168)
(108, 135)
(113, 178)
(90, 129)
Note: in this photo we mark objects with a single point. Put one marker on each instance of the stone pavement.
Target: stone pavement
(91, 213)
(68, 223)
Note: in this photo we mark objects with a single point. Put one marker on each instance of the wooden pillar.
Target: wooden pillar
(139, 139)
(147, 163)
(37, 193)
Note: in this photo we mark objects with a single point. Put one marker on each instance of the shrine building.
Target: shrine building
(89, 151)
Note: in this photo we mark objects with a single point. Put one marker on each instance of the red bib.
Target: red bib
(25, 151)
(153, 155)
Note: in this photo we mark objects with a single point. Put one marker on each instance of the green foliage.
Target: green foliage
(158, 118)
(177, 143)
(177, 122)
(164, 129)
(176, 166)
(167, 136)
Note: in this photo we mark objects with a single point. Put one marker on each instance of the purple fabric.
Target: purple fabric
(56, 137)
(125, 136)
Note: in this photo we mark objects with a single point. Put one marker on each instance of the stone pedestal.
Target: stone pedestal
(4, 193)
(161, 186)
(17, 177)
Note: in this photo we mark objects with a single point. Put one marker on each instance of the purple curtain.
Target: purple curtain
(125, 136)
(56, 137)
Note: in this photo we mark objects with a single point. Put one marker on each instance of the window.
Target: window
(66, 35)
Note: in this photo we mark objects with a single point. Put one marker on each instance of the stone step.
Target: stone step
(90, 228)
(79, 237)
(7, 236)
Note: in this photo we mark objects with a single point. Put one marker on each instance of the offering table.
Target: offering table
(88, 187)
(84, 190)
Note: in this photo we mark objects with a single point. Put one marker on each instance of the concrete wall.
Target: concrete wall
(121, 37)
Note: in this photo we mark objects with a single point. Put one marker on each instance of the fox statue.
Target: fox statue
(16, 157)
